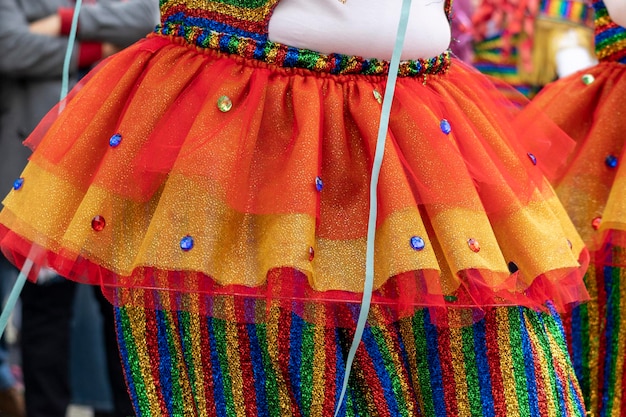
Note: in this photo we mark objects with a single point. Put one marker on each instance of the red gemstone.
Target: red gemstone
(311, 253)
(595, 223)
(98, 223)
(473, 245)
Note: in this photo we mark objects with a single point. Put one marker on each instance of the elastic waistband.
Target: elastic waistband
(289, 57)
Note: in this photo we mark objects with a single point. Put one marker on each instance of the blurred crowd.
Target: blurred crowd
(37, 377)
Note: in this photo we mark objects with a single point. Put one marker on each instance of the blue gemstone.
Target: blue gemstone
(115, 140)
(532, 158)
(513, 268)
(17, 184)
(186, 243)
(611, 161)
(319, 184)
(417, 243)
(445, 126)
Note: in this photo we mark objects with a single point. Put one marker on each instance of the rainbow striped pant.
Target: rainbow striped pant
(596, 334)
(512, 362)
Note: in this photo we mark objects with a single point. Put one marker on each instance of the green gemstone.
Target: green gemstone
(224, 104)
(450, 298)
(588, 79)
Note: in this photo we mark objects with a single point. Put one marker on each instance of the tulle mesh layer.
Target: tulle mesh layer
(187, 172)
(588, 106)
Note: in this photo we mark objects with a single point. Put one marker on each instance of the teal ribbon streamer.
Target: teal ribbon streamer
(14, 295)
(368, 287)
(65, 82)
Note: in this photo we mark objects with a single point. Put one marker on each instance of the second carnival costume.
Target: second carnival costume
(215, 184)
(589, 106)
(522, 47)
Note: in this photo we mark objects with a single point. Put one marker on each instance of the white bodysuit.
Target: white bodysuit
(365, 28)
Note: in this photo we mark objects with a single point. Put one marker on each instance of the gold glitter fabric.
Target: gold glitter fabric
(589, 106)
(191, 170)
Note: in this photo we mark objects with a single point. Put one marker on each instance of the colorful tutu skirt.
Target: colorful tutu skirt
(593, 190)
(218, 192)
(200, 173)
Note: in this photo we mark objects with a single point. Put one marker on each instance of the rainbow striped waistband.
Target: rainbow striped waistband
(610, 38)
(194, 32)
(572, 11)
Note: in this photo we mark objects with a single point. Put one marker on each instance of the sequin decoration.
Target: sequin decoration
(595, 223)
(319, 184)
(98, 223)
(532, 158)
(513, 268)
(378, 96)
(445, 126)
(473, 245)
(417, 243)
(186, 243)
(587, 79)
(115, 140)
(224, 103)
(17, 184)
(311, 253)
(611, 161)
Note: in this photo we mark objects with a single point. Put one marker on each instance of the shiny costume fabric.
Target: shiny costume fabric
(263, 167)
(215, 184)
(589, 106)
(513, 362)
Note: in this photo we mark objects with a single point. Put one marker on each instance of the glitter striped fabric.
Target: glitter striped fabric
(513, 362)
(610, 37)
(244, 31)
(490, 59)
(596, 334)
(574, 11)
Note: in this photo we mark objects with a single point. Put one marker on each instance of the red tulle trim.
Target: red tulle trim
(402, 293)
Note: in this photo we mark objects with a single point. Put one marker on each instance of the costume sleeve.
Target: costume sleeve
(25, 54)
(120, 23)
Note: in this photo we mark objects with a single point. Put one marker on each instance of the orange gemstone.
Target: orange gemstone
(473, 245)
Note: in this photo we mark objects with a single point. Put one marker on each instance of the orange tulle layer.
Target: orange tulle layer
(588, 105)
(231, 176)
